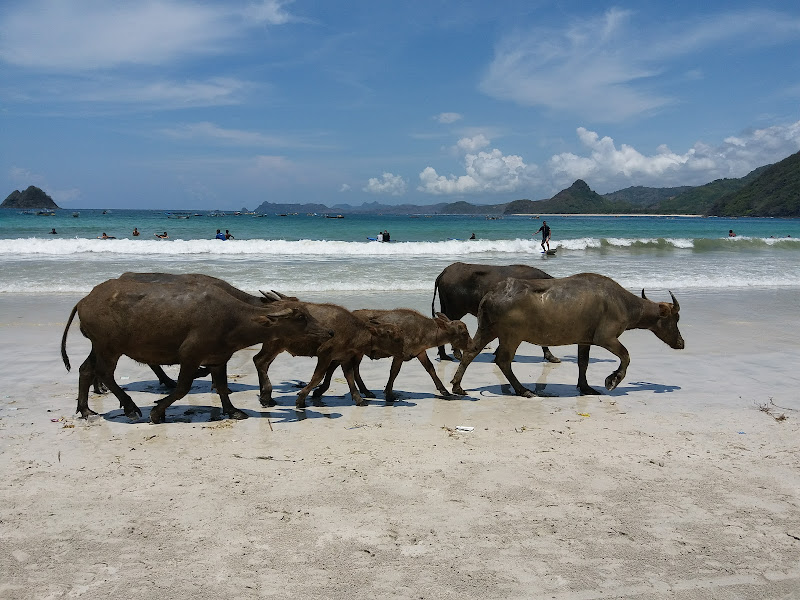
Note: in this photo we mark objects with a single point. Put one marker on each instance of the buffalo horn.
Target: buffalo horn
(643, 296)
(675, 302)
(279, 295)
(270, 295)
(282, 313)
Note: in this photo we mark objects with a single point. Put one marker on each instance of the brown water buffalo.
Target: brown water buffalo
(176, 323)
(585, 309)
(462, 286)
(352, 337)
(265, 299)
(419, 333)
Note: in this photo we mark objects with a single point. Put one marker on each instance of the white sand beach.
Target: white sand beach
(684, 482)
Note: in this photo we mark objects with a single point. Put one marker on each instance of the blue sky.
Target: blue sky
(177, 104)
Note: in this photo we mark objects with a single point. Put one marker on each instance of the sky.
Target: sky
(172, 104)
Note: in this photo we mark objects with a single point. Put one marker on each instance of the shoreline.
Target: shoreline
(676, 484)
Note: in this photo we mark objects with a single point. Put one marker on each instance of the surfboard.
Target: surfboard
(550, 252)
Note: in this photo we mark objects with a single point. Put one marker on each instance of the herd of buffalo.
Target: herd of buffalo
(198, 322)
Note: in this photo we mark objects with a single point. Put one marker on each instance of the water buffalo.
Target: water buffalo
(352, 337)
(585, 309)
(176, 323)
(265, 299)
(419, 333)
(462, 286)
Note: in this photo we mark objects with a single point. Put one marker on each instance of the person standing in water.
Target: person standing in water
(545, 229)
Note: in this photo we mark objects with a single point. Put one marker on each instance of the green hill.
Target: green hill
(32, 197)
(579, 198)
(697, 200)
(646, 197)
(775, 192)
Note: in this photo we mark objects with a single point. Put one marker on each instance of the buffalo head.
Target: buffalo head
(666, 326)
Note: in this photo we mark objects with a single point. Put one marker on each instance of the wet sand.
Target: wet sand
(684, 482)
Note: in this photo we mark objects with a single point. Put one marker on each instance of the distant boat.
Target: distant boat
(334, 216)
(76, 214)
(181, 215)
(46, 213)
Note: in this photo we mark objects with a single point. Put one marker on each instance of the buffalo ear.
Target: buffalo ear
(441, 321)
(442, 316)
(265, 320)
(664, 309)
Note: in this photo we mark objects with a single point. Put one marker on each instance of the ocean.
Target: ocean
(299, 253)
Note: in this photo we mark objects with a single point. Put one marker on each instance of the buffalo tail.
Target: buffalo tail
(64, 356)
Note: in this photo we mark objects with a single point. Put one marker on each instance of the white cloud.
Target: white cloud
(270, 12)
(448, 117)
(584, 69)
(162, 93)
(344, 188)
(205, 131)
(490, 172)
(473, 144)
(94, 34)
(387, 184)
(608, 167)
(603, 68)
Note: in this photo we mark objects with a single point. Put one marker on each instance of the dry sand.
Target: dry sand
(675, 485)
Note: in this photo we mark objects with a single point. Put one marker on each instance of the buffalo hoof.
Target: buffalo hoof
(369, 394)
(267, 402)
(588, 391)
(550, 357)
(360, 400)
(389, 396)
(156, 416)
(133, 413)
(238, 415)
(446, 394)
(85, 413)
(300, 402)
(613, 381)
(459, 391)
(446, 357)
(526, 393)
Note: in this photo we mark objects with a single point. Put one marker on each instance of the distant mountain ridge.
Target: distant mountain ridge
(768, 191)
(33, 197)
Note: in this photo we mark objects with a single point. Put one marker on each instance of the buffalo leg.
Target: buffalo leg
(360, 382)
(262, 361)
(86, 378)
(319, 373)
(219, 376)
(443, 355)
(394, 371)
(326, 383)
(482, 337)
(615, 347)
(163, 378)
(104, 369)
(549, 356)
(503, 356)
(348, 370)
(185, 379)
(583, 365)
(428, 366)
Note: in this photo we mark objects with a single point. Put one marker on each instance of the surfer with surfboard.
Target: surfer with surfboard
(545, 229)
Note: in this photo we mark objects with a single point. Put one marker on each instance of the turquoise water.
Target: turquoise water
(313, 253)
